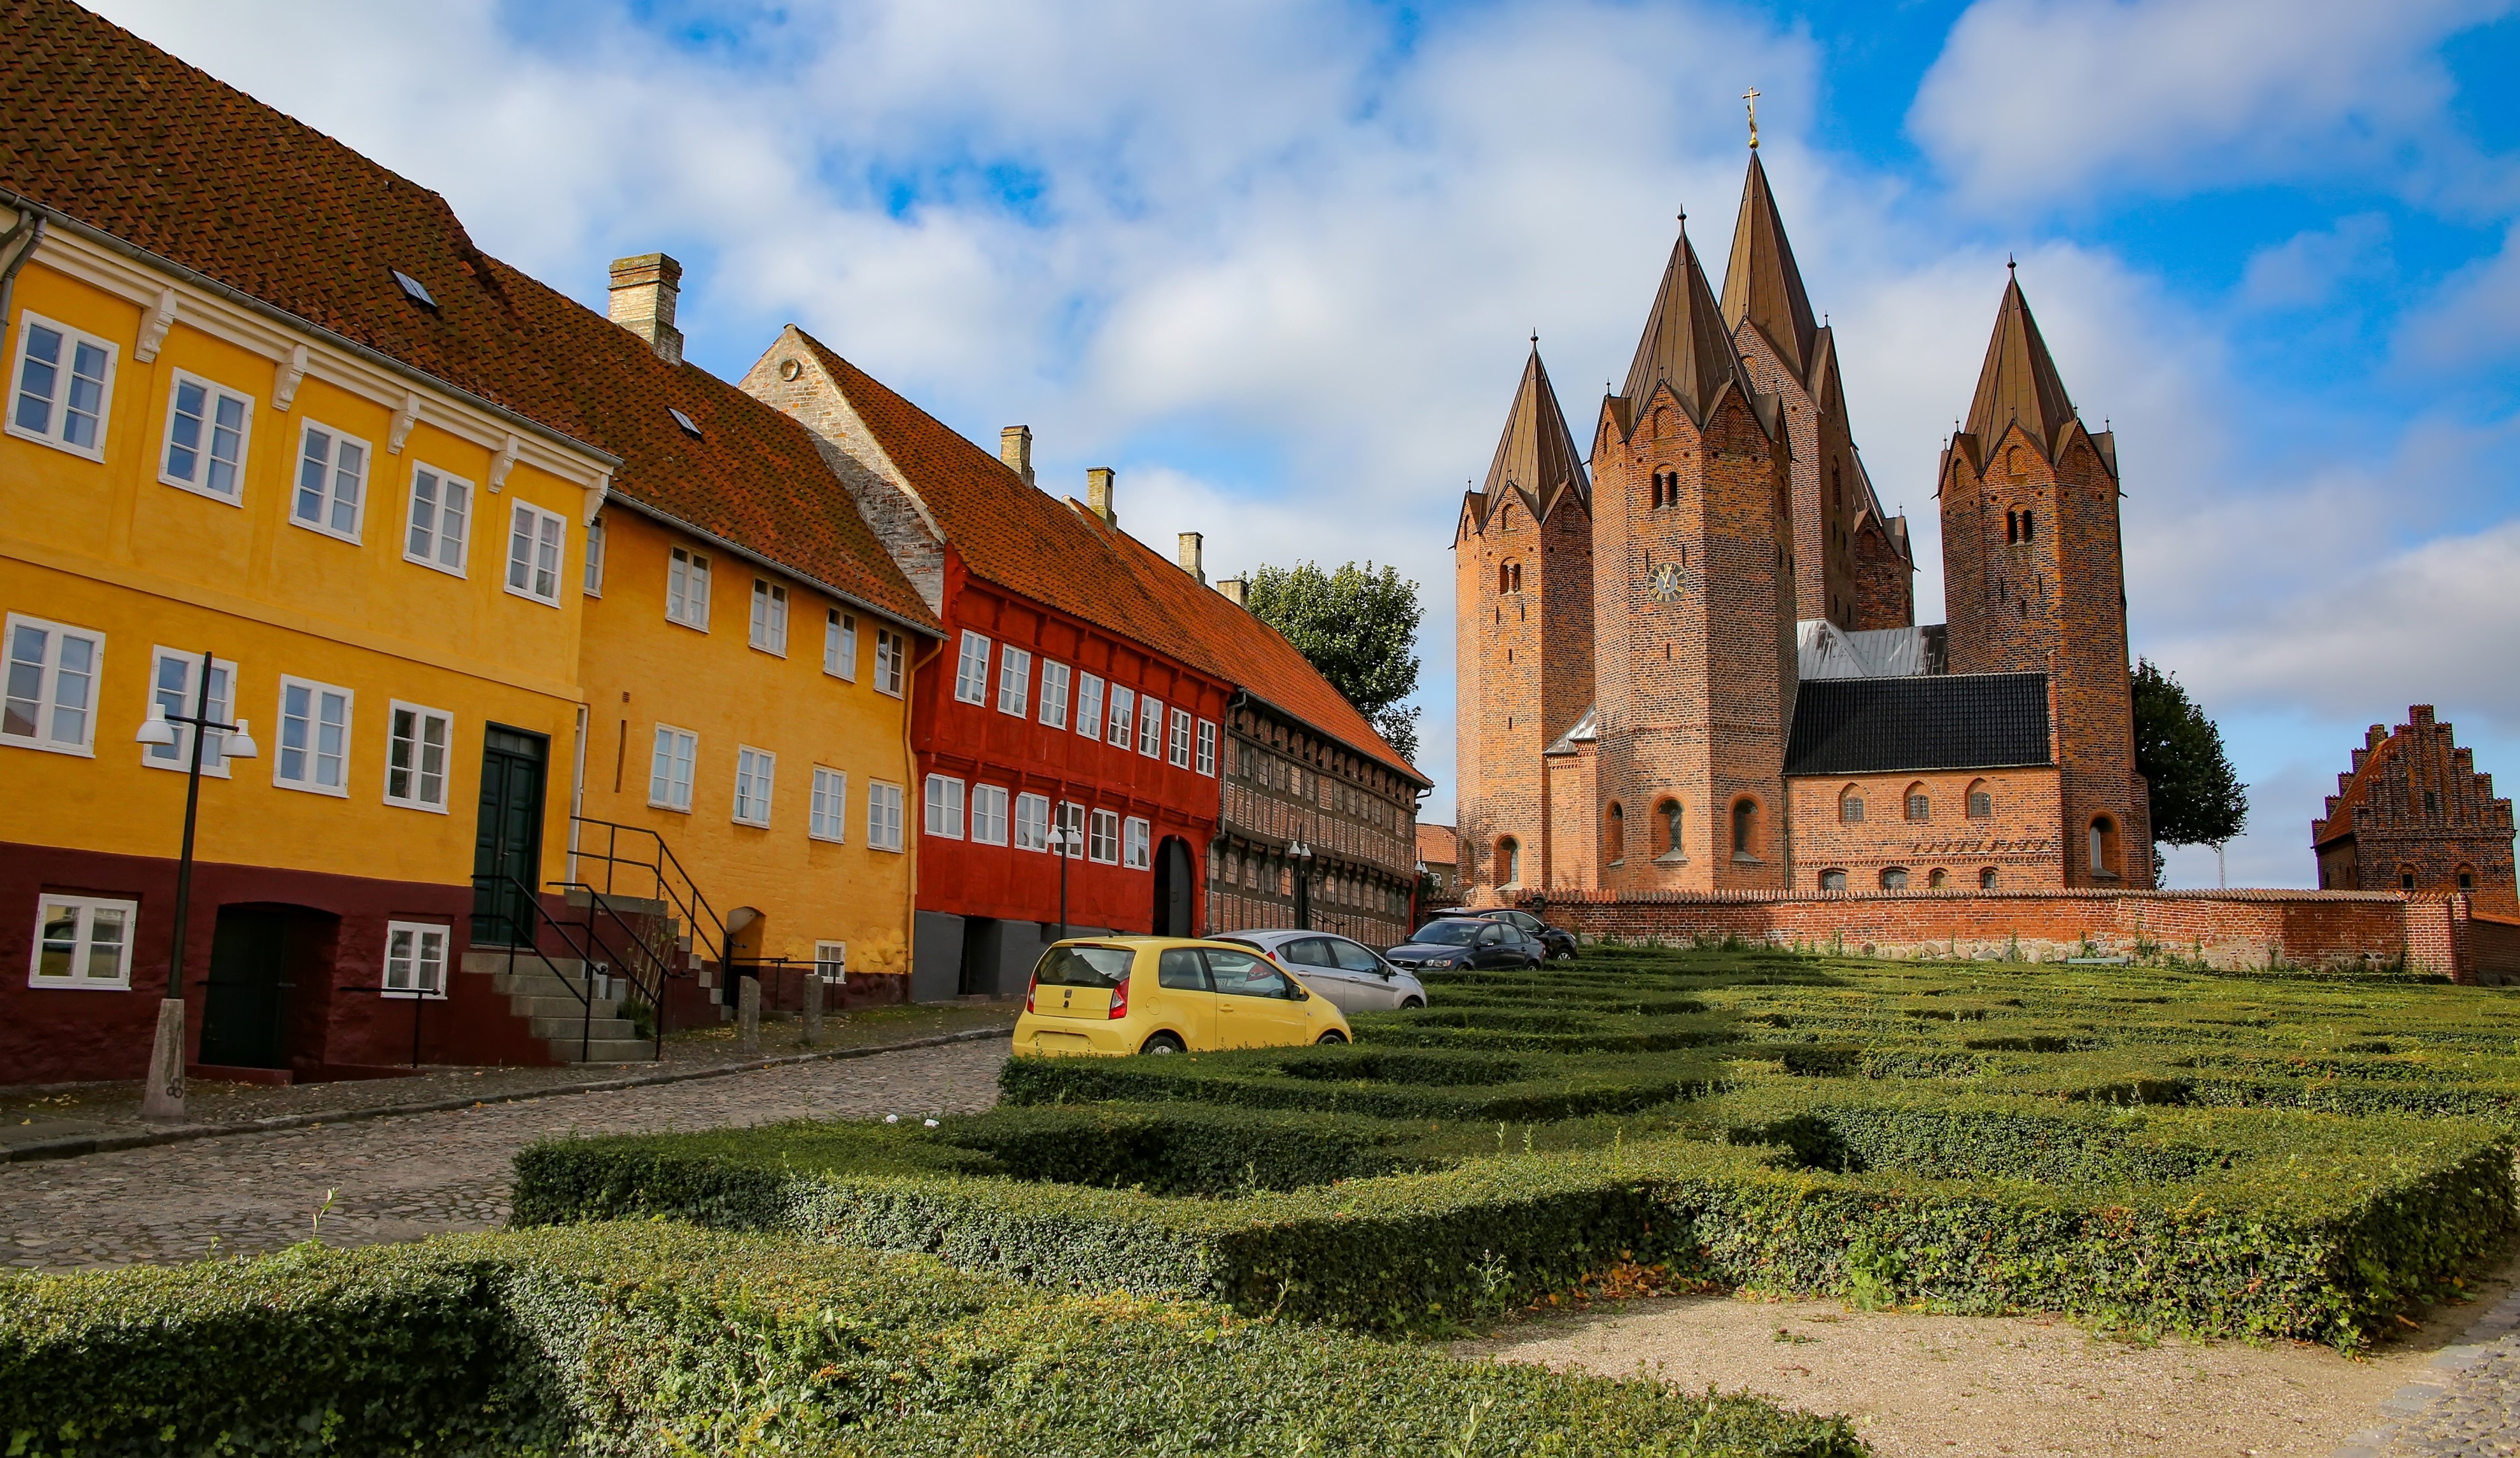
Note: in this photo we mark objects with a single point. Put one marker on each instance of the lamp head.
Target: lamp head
(237, 744)
(155, 731)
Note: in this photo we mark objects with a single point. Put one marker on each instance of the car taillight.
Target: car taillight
(1120, 1001)
(1028, 992)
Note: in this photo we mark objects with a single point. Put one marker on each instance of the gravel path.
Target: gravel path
(400, 1178)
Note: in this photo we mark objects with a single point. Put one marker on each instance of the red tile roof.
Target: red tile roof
(1438, 845)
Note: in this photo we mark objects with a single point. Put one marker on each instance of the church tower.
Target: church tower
(2034, 582)
(1694, 589)
(1522, 565)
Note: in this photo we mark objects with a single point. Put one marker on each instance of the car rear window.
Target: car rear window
(1449, 933)
(1083, 967)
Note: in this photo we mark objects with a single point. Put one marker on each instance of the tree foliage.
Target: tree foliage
(2196, 798)
(1358, 626)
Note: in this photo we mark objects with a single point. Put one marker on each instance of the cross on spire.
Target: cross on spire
(1750, 98)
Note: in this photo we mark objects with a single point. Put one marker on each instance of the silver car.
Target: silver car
(1348, 973)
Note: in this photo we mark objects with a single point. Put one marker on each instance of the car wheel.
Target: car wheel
(1163, 1043)
(1333, 1037)
(1409, 1002)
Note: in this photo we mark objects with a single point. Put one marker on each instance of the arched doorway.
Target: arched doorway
(1176, 884)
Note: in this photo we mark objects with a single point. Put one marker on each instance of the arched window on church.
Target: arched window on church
(2011, 526)
(1937, 878)
(1517, 577)
(1745, 829)
(1986, 878)
(1894, 878)
(1850, 806)
(1509, 852)
(2029, 527)
(2406, 878)
(1614, 835)
(1668, 814)
(1920, 804)
(1505, 518)
(2467, 879)
(1981, 800)
(1832, 880)
(1505, 575)
(2104, 846)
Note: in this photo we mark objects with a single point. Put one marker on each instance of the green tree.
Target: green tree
(1358, 626)
(2196, 798)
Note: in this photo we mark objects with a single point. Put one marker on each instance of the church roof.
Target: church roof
(1536, 452)
(1684, 341)
(1824, 650)
(1927, 722)
(1761, 284)
(2019, 381)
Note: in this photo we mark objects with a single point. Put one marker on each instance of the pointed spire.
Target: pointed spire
(1685, 341)
(2019, 381)
(1536, 453)
(1761, 282)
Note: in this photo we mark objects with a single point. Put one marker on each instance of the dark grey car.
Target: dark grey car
(1459, 942)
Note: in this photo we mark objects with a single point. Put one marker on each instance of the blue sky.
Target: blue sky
(1276, 262)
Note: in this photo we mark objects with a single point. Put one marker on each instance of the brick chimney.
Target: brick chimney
(644, 289)
(1192, 552)
(1235, 589)
(1014, 448)
(1099, 483)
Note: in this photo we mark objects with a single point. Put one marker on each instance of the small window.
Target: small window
(594, 558)
(2011, 526)
(989, 814)
(413, 288)
(1510, 861)
(669, 773)
(2432, 802)
(972, 670)
(536, 541)
(1849, 807)
(841, 644)
(83, 942)
(684, 422)
(1089, 705)
(1614, 835)
(1151, 727)
(1745, 830)
(416, 743)
(1981, 800)
(1936, 880)
(687, 588)
(415, 959)
(2406, 878)
(1832, 880)
(1669, 813)
(1014, 682)
(1053, 694)
(755, 771)
(1124, 714)
(832, 961)
(1920, 806)
(1986, 878)
(332, 482)
(1136, 837)
(1102, 837)
(769, 617)
(441, 519)
(1894, 878)
(884, 816)
(65, 384)
(1207, 748)
(1032, 822)
(176, 691)
(1177, 748)
(207, 426)
(314, 739)
(2467, 879)
(2104, 846)
(826, 816)
(2029, 527)
(944, 801)
(888, 648)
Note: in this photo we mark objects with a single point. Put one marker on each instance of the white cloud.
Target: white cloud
(2474, 319)
(2307, 268)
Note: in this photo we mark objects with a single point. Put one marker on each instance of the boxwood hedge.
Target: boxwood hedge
(1388, 1083)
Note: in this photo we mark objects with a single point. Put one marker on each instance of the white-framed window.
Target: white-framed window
(51, 689)
(1032, 822)
(595, 558)
(536, 539)
(972, 670)
(417, 741)
(415, 959)
(769, 616)
(1102, 837)
(944, 801)
(755, 770)
(1151, 727)
(841, 644)
(888, 648)
(1177, 747)
(669, 771)
(884, 816)
(826, 817)
(1014, 682)
(331, 494)
(314, 737)
(687, 588)
(441, 519)
(832, 961)
(174, 688)
(64, 385)
(1089, 705)
(1124, 714)
(1053, 694)
(206, 429)
(1207, 748)
(83, 942)
(989, 814)
(1136, 840)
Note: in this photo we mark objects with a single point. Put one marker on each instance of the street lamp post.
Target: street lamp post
(164, 1096)
(1416, 889)
(1302, 855)
(1065, 841)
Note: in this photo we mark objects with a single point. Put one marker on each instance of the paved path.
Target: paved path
(400, 1178)
(2465, 1404)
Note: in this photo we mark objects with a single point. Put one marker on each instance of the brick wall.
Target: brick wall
(1884, 583)
(2016, 839)
(2414, 813)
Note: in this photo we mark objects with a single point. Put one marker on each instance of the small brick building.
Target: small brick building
(2414, 815)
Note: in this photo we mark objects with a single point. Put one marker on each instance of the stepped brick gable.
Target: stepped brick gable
(2414, 815)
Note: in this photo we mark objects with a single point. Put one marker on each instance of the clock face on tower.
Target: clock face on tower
(1664, 582)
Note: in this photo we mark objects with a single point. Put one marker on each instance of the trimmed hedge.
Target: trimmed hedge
(1361, 1079)
(661, 1339)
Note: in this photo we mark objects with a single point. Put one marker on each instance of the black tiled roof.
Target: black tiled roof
(1926, 722)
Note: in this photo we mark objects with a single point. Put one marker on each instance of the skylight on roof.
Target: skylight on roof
(690, 427)
(418, 291)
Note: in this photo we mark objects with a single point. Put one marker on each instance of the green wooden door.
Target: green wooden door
(506, 847)
(243, 1019)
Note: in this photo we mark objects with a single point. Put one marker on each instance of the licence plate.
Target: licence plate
(1062, 1043)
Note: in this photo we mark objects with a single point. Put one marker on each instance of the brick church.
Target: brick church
(1689, 659)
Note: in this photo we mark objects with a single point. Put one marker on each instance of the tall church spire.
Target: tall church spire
(1761, 282)
(2019, 381)
(1685, 341)
(1537, 453)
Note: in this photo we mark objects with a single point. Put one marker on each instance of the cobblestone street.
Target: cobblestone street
(400, 1178)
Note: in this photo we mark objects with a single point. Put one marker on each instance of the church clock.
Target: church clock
(1664, 582)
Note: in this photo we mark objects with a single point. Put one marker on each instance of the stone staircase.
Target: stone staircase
(546, 998)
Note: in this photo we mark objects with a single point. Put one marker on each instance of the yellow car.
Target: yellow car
(1117, 996)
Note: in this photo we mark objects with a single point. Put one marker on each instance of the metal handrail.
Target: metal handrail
(643, 958)
(678, 890)
(582, 988)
